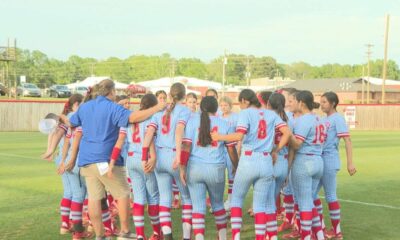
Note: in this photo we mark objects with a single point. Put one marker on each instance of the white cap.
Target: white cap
(46, 126)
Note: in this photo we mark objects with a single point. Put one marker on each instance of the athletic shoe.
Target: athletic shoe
(155, 237)
(285, 226)
(64, 230)
(176, 203)
(293, 234)
(332, 235)
(81, 235)
(126, 236)
(111, 233)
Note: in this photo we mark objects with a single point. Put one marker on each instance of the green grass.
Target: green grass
(30, 190)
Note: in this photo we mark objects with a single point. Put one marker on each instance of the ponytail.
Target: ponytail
(177, 92)
(277, 103)
(208, 105)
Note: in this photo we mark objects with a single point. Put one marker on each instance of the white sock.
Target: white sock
(187, 228)
(222, 234)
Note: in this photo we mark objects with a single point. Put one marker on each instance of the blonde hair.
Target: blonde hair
(227, 100)
(105, 87)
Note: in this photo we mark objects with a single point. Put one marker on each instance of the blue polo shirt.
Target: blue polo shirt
(100, 120)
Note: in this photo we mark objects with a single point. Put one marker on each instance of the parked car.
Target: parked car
(3, 90)
(29, 89)
(59, 91)
(81, 90)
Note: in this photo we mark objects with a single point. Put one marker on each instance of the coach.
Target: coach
(100, 120)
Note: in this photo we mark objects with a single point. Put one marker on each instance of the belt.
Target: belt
(249, 153)
(173, 149)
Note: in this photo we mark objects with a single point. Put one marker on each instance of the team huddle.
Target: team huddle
(117, 162)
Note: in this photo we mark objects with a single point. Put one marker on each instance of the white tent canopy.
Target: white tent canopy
(379, 81)
(187, 81)
(91, 81)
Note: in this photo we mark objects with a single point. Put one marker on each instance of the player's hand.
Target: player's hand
(61, 169)
(150, 165)
(47, 156)
(144, 164)
(182, 174)
(70, 165)
(274, 156)
(110, 174)
(351, 169)
(215, 136)
(161, 105)
(176, 163)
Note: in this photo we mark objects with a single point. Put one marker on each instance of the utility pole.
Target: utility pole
(362, 85)
(248, 71)
(385, 58)
(15, 68)
(224, 62)
(369, 52)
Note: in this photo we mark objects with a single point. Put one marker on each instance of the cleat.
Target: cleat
(332, 235)
(81, 235)
(293, 234)
(176, 203)
(155, 237)
(285, 226)
(64, 230)
(126, 236)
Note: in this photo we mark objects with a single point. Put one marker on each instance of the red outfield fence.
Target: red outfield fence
(21, 115)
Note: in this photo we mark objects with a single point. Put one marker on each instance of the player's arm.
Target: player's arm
(151, 163)
(64, 154)
(233, 156)
(291, 156)
(53, 141)
(140, 116)
(116, 152)
(179, 132)
(185, 154)
(148, 138)
(74, 149)
(233, 137)
(286, 134)
(349, 155)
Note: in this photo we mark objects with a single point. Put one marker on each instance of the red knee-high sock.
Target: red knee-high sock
(220, 221)
(65, 209)
(165, 220)
(298, 225)
(316, 225)
(175, 188)
(288, 203)
(272, 226)
(318, 206)
(334, 212)
(306, 222)
(230, 186)
(187, 220)
(155, 219)
(259, 225)
(110, 200)
(236, 222)
(76, 212)
(278, 204)
(138, 219)
(198, 224)
(106, 218)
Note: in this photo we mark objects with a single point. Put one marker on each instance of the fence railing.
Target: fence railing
(25, 115)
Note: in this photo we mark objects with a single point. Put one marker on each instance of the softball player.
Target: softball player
(336, 129)
(276, 103)
(206, 168)
(225, 105)
(306, 172)
(169, 126)
(144, 183)
(256, 129)
(65, 205)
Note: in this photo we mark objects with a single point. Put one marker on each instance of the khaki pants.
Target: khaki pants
(97, 184)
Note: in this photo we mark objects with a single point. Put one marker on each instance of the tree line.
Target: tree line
(45, 71)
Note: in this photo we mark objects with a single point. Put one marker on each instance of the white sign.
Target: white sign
(22, 79)
(350, 116)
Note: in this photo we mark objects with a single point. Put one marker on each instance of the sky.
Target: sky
(314, 31)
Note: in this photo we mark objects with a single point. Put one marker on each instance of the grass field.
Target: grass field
(30, 190)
